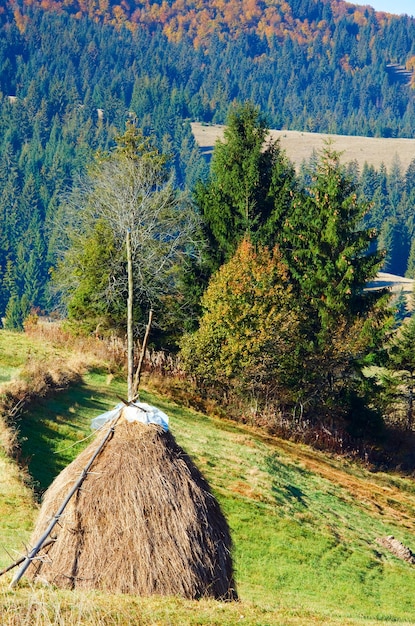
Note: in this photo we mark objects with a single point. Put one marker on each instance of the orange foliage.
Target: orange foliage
(20, 20)
(200, 18)
(410, 64)
(250, 10)
(248, 325)
(344, 63)
(359, 18)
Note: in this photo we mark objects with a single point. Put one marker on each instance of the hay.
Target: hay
(144, 522)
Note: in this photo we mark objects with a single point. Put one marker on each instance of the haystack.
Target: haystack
(144, 522)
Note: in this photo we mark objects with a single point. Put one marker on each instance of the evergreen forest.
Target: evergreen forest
(76, 74)
(72, 73)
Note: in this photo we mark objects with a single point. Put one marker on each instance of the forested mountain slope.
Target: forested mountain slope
(72, 72)
(325, 65)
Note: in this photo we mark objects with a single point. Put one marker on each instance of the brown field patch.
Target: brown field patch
(299, 145)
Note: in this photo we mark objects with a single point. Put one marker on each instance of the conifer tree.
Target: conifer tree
(331, 257)
(247, 194)
(400, 308)
(402, 364)
(328, 247)
(410, 270)
(249, 189)
(14, 316)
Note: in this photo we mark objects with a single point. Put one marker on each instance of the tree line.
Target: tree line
(68, 86)
(258, 282)
(69, 81)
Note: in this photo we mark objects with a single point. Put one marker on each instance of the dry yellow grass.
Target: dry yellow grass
(299, 146)
(394, 283)
(41, 606)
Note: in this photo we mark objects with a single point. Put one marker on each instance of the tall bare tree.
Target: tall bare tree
(133, 229)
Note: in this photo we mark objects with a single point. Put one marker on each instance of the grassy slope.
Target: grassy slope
(300, 146)
(304, 525)
(17, 512)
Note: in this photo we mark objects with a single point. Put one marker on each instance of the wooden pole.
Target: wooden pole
(16, 563)
(137, 376)
(130, 336)
(29, 558)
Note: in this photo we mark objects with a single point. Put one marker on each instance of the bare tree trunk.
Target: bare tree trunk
(130, 336)
(137, 376)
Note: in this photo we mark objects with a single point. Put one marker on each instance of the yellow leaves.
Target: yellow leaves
(197, 18)
(119, 14)
(359, 17)
(246, 316)
(21, 21)
(410, 63)
(251, 10)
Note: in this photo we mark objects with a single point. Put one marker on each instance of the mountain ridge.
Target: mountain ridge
(200, 18)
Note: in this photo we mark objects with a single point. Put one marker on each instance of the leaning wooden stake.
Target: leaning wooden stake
(137, 376)
(29, 558)
(23, 558)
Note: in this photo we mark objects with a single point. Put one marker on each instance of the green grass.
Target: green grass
(14, 349)
(304, 524)
(54, 431)
(17, 348)
(17, 512)
(301, 539)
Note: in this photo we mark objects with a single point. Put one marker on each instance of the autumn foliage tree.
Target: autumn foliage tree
(249, 331)
(295, 326)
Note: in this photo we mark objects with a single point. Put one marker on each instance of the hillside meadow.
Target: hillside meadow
(300, 146)
(304, 524)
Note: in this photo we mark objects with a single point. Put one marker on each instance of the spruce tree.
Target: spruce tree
(402, 364)
(332, 257)
(410, 270)
(14, 317)
(249, 188)
(328, 247)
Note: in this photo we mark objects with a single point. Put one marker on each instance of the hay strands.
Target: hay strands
(32, 554)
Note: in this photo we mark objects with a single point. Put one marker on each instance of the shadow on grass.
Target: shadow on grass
(284, 488)
(48, 432)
